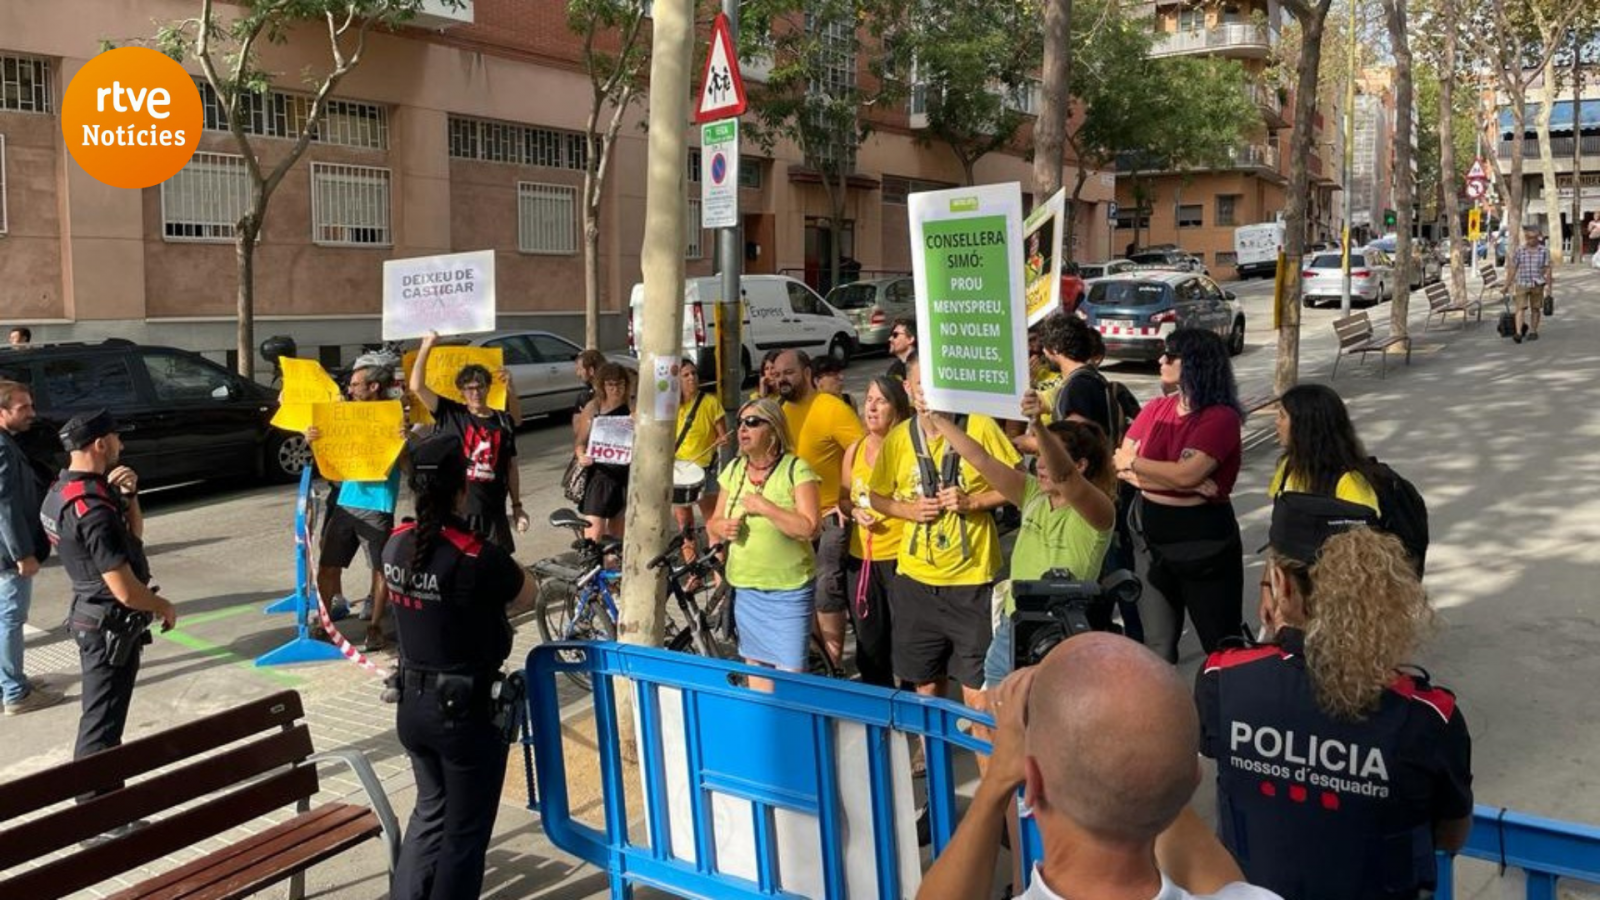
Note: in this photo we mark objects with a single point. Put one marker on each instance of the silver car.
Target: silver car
(872, 306)
(1371, 277)
(543, 367)
(1087, 271)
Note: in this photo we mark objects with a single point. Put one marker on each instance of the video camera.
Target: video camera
(1057, 607)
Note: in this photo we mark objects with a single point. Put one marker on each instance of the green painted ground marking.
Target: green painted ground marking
(190, 642)
(214, 615)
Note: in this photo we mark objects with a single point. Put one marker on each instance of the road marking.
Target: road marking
(214, 615)
(190, 642)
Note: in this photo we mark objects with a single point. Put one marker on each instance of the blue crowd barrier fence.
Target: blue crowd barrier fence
(806, 791)
(302, 647)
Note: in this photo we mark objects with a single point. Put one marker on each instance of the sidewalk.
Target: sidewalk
(1502, 439)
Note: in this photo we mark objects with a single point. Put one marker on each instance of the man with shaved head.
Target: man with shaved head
(1109, 790)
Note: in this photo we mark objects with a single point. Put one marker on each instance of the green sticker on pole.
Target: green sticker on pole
(966, 247)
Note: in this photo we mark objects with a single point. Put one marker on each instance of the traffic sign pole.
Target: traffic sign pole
(730, 252)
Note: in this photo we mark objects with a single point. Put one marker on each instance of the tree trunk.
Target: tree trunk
(1512, 219)
(1399, 309)
(1447, 154)
(1547, 157)
(244, 249)
(1286, 370)
(649, 485)
(1576, 211)
(1070, 236)
(591, 269)
(1050, 130)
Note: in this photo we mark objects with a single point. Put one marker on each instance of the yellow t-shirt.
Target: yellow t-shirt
(885, 530)
(822, 426)
(1352, 487)
(762, 556)
(700, 442)
(932, 553)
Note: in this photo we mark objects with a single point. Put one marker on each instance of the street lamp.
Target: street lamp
(1349, 163)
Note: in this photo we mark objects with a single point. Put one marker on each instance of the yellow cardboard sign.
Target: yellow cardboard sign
(446, 361)
(304, 382)
(357, 441)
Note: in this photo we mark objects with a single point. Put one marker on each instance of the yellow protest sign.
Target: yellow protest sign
(446, 361)
(357, 441)
(304, 382)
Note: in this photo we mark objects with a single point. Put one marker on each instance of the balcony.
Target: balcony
(1261, 157)
(1242, 40)
(1560, 148)
(1255, 156)
(1266, 97)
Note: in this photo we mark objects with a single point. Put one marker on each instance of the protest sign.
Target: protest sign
(611, 440)
(966, 261)
(1042, 234)
(446, 361)
(304, 382)
(451, 294)
(357, 441)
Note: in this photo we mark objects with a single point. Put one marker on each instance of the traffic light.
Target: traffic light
(1389, 218)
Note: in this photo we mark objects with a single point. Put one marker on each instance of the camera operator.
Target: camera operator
(1109, 791)
(1338, 773)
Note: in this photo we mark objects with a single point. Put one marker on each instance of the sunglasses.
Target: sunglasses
(752, 422)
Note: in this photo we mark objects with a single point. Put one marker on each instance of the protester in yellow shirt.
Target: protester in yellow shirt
(1321, 452)
(949, 549)
(701, 431)
(875, 539)
(822, 426)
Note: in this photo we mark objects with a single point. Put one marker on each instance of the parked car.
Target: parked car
(1425, 265)
(541, 366)
(1372, 277)
(1170, 257)
(779, 313)
(1102, 269)
(181, 416)
(874, 305)
(1134, 312)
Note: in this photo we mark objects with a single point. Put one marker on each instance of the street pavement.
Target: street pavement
(1500, 438)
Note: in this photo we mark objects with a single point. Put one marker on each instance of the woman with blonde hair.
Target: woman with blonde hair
(606, 492)
(1340, 768)
(768, 513)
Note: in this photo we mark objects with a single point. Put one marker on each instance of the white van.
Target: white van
(1256, 249)
(779, 314)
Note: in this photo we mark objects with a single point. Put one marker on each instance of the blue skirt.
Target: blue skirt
(774, 626)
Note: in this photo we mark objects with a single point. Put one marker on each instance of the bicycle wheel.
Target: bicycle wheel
(557, 611)
(684, 642)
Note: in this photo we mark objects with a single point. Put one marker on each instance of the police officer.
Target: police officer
(92, 516)
(1339, 770)
(452, 594)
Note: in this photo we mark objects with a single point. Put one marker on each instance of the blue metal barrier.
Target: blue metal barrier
(302, 647)
(782, 755)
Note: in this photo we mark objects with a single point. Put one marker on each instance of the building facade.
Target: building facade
(1198, 209)
(1574, 130)
(463, 133)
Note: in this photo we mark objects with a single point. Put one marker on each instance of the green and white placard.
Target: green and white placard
(972, 330)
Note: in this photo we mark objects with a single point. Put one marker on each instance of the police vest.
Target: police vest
(70, 501)
(445, 624)
(1317, 807)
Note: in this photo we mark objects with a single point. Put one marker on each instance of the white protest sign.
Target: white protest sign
(452, 294)
(966, 261)
(1043, 232)
(611, 440)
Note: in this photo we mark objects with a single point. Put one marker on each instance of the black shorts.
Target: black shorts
(940, 631)
(606, 493)
(831, 546)
(346, 530)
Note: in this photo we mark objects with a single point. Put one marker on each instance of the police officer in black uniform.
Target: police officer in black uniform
(1340, 770)
(452, 594)
(92, 516)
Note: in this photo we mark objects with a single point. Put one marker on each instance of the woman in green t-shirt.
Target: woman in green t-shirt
(768, 513)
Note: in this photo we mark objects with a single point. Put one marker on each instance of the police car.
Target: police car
(1135, 311)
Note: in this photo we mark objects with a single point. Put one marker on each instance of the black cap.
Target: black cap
(1302, 523)
(84, 429)
(436, 450)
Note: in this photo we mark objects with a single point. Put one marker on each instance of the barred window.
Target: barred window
(349, 205)
(547, 219)
(206, 199)
(4, 222)
(1227, 258)
(278, 114)
(1228, 209)
(24, 84)
(507, 142)
(694, 165)
(693, 248)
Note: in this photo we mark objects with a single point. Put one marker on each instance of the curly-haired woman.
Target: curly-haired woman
(1183, 454)
(1339, 769)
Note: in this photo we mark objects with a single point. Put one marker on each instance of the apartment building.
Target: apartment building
(1198, 209)
(461, 133)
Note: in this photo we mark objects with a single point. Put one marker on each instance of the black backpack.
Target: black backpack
(1121, 406)
(1402, 512)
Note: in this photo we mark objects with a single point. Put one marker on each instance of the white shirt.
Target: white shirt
(1238, 890)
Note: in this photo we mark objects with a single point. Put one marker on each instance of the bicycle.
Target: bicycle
(577, 598)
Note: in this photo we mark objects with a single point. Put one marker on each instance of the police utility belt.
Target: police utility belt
(124, 630)
(460, 693)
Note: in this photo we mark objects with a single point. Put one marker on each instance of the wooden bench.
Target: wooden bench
(1440, 306)
(1356, 338)
(1491, 282)
(207, 777)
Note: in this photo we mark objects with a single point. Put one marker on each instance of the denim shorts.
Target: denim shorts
(997, 664)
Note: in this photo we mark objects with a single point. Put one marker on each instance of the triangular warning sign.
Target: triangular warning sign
(721, 88)
(1477, 173)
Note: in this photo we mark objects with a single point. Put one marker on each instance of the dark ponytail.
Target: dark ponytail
(438, 475)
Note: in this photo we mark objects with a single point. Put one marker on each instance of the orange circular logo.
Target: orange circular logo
(131, 117)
